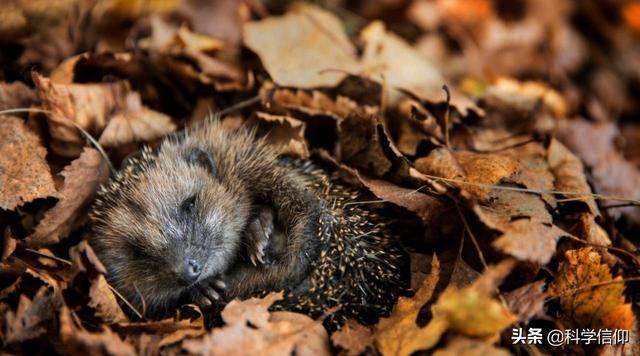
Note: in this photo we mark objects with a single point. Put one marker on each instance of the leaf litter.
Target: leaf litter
(504, 132)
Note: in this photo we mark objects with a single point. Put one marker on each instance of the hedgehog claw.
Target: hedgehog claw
(258, 235)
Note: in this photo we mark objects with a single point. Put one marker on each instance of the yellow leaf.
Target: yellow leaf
(600, 307)
(399, 334)
(472, 313)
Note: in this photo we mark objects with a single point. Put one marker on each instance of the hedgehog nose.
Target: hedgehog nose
(191, 272)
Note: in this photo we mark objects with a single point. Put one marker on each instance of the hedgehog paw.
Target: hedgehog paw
(210, 293)
(258, 235)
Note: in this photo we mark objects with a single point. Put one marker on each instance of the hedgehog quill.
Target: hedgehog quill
(212, 215)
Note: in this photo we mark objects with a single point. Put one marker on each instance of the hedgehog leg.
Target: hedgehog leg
(259, 233)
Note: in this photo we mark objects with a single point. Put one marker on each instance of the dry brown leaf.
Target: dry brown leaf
(485, 169)
(193, 56)
(360, 144)
(463, 346)
(311, 103)
(601, 307)
(528, 93)
(399, 334)
(8, 244)
(389, 59)
(475, 168)
(111, 107)
(24, 172)
(612, 175)
(530, 240)
(278, 333)
(569, 173)
(353, 337)
(33, 317)
(81, 180)
(221, 19)
(84, 260)
(526, 225)
(89, 292)
(527, 302)
(88, 105)
(425, 206)
(284, 132)
(104, 302)
(318, 52)
(136, 124)
(16, 95)
(75, 341)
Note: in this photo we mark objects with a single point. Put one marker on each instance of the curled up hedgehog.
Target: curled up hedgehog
(211, 215)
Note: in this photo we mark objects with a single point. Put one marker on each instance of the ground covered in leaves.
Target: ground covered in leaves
(508, 129)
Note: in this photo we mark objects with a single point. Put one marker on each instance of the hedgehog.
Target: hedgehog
(213, 214)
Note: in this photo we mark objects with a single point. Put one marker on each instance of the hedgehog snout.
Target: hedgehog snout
(189, 271)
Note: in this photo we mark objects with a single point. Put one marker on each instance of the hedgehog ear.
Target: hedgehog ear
(198, 156)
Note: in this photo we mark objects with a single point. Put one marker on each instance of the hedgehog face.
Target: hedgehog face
(172, 228)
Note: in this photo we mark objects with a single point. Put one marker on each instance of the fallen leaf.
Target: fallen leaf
(16, 95)
(319, 54)
(77, 341)
(528, 240)
(314, 103)
(360, 145)
(285, 133)
(110, 109)
(399, 334)
(33, 317)
(8, 245)
(88, 293)
(221, 19)
(88, 105)
(612, 174)
(389, 59)
(136, 124)
(585, 303)
(485, 169)
(249, 323)
(569, 173)
(24, 172)
(527, 302)
(463, 346)
(528, 93)
(427, 207)
(81, 180)
(471, 310)
(353, 337)
(104, 302)
(476, 169)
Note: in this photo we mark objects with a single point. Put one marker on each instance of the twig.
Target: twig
(239, 105)
(55, 258)
(446, 115)
(126, 301)
(473, 237)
